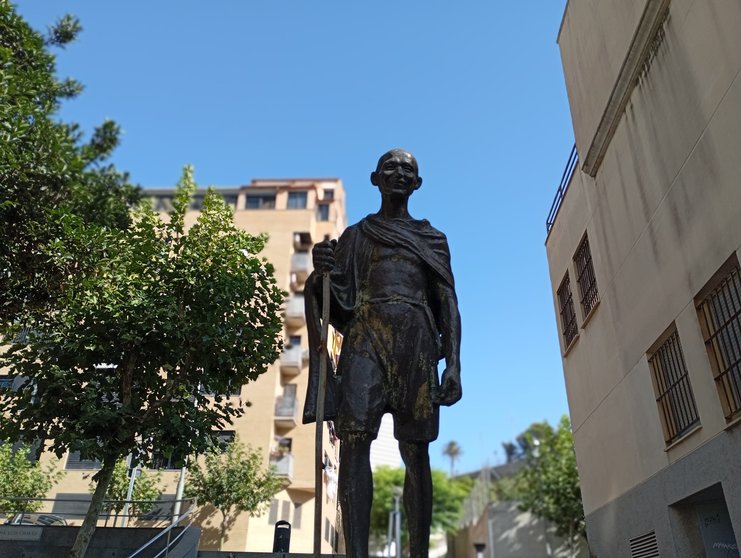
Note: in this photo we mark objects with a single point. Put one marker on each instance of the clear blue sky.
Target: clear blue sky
(276, 89)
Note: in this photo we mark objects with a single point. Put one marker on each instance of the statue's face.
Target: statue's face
(398, 175)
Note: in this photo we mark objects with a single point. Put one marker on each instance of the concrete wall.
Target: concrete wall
(663, 213)
(55, 542)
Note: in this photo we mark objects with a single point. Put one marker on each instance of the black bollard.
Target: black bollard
(282, 537)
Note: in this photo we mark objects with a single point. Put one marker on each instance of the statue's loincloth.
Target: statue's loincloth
(389, 364)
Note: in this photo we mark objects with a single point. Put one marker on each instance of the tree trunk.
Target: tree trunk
(85, 534)
(222, 529)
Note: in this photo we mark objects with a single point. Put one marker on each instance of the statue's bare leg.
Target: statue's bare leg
(356, 492)
(417, 496)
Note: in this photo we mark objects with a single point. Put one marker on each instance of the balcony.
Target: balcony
(282, 464)
(286, 411)
(292, 360)
(300, 269)
(302, 240)
(295, 311)
(568, 172)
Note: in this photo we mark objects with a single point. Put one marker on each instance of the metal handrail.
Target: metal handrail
(103, 514)
(568, 172)
(164, 532)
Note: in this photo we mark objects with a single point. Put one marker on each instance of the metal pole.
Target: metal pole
(397, 492)
(129, 494)
(320, 418)
(178, 497)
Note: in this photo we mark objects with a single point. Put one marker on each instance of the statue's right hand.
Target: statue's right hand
(323, 256)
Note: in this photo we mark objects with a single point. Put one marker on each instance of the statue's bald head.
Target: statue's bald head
(397, 151)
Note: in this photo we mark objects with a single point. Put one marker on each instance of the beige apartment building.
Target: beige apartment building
(644, 244)
(295, 213)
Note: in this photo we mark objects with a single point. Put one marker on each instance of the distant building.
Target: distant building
(295, 213)
(644, 243)
(502, 526)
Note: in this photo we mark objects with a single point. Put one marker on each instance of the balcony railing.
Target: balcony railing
(568, 172)
(300, 268)
(286, 411)
(283, 465)
(292, 360)
(295, 311)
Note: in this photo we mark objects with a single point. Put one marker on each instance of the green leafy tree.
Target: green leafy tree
(146, 490)
(448, 496)
(172, 315)
(46, 171)
(21, 477)
(232, 481)
(549, 484)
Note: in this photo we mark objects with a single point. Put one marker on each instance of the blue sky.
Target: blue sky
(276, 89)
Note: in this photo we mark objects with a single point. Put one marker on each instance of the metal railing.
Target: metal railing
(23, 511)
(170, 542)
(568, 172)
(34, 511)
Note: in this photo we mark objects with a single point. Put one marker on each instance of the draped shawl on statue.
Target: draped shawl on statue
(352, 257)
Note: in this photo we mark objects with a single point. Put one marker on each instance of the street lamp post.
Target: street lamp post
(536, 454)
(397, 492)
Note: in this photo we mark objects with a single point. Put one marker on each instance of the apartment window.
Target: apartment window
(273, 513)
(6, 382)
(673, 390)
(322, 212)
(225, 437)
(297, 200)
(328, 194)
(297, 516)
(163, 203)
(566, 310)
(260, 201)
(231, 200)
(75, 462)
(196, 202)
(293, 341)
(172, 461)
(589, 297)
(720, 317)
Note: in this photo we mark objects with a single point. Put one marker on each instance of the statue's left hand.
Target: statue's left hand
(450, 390)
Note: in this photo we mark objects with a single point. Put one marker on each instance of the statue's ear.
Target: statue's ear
(374, 178)
(419, 183)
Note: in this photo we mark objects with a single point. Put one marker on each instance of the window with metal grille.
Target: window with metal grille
(566, 310)
(720, 317)
(673, 390)
(585, 277)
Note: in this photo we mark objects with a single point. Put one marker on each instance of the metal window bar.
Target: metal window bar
(568, 172)
(585, 277)
(566, 309)
(721, 312)
(674, 392)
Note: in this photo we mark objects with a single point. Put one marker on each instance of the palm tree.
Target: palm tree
(453, 451)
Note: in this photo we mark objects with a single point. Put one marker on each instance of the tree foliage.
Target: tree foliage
(21, 477)
(447, 501)
(232, 481)
(46, 170)
(173, 316)
(146, 490)
(549, 483)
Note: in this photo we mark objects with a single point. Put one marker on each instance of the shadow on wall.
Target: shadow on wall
(518, 534)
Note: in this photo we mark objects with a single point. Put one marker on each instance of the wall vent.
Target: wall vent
(644, 546)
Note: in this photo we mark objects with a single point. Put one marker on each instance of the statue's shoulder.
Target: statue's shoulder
(425, 226)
